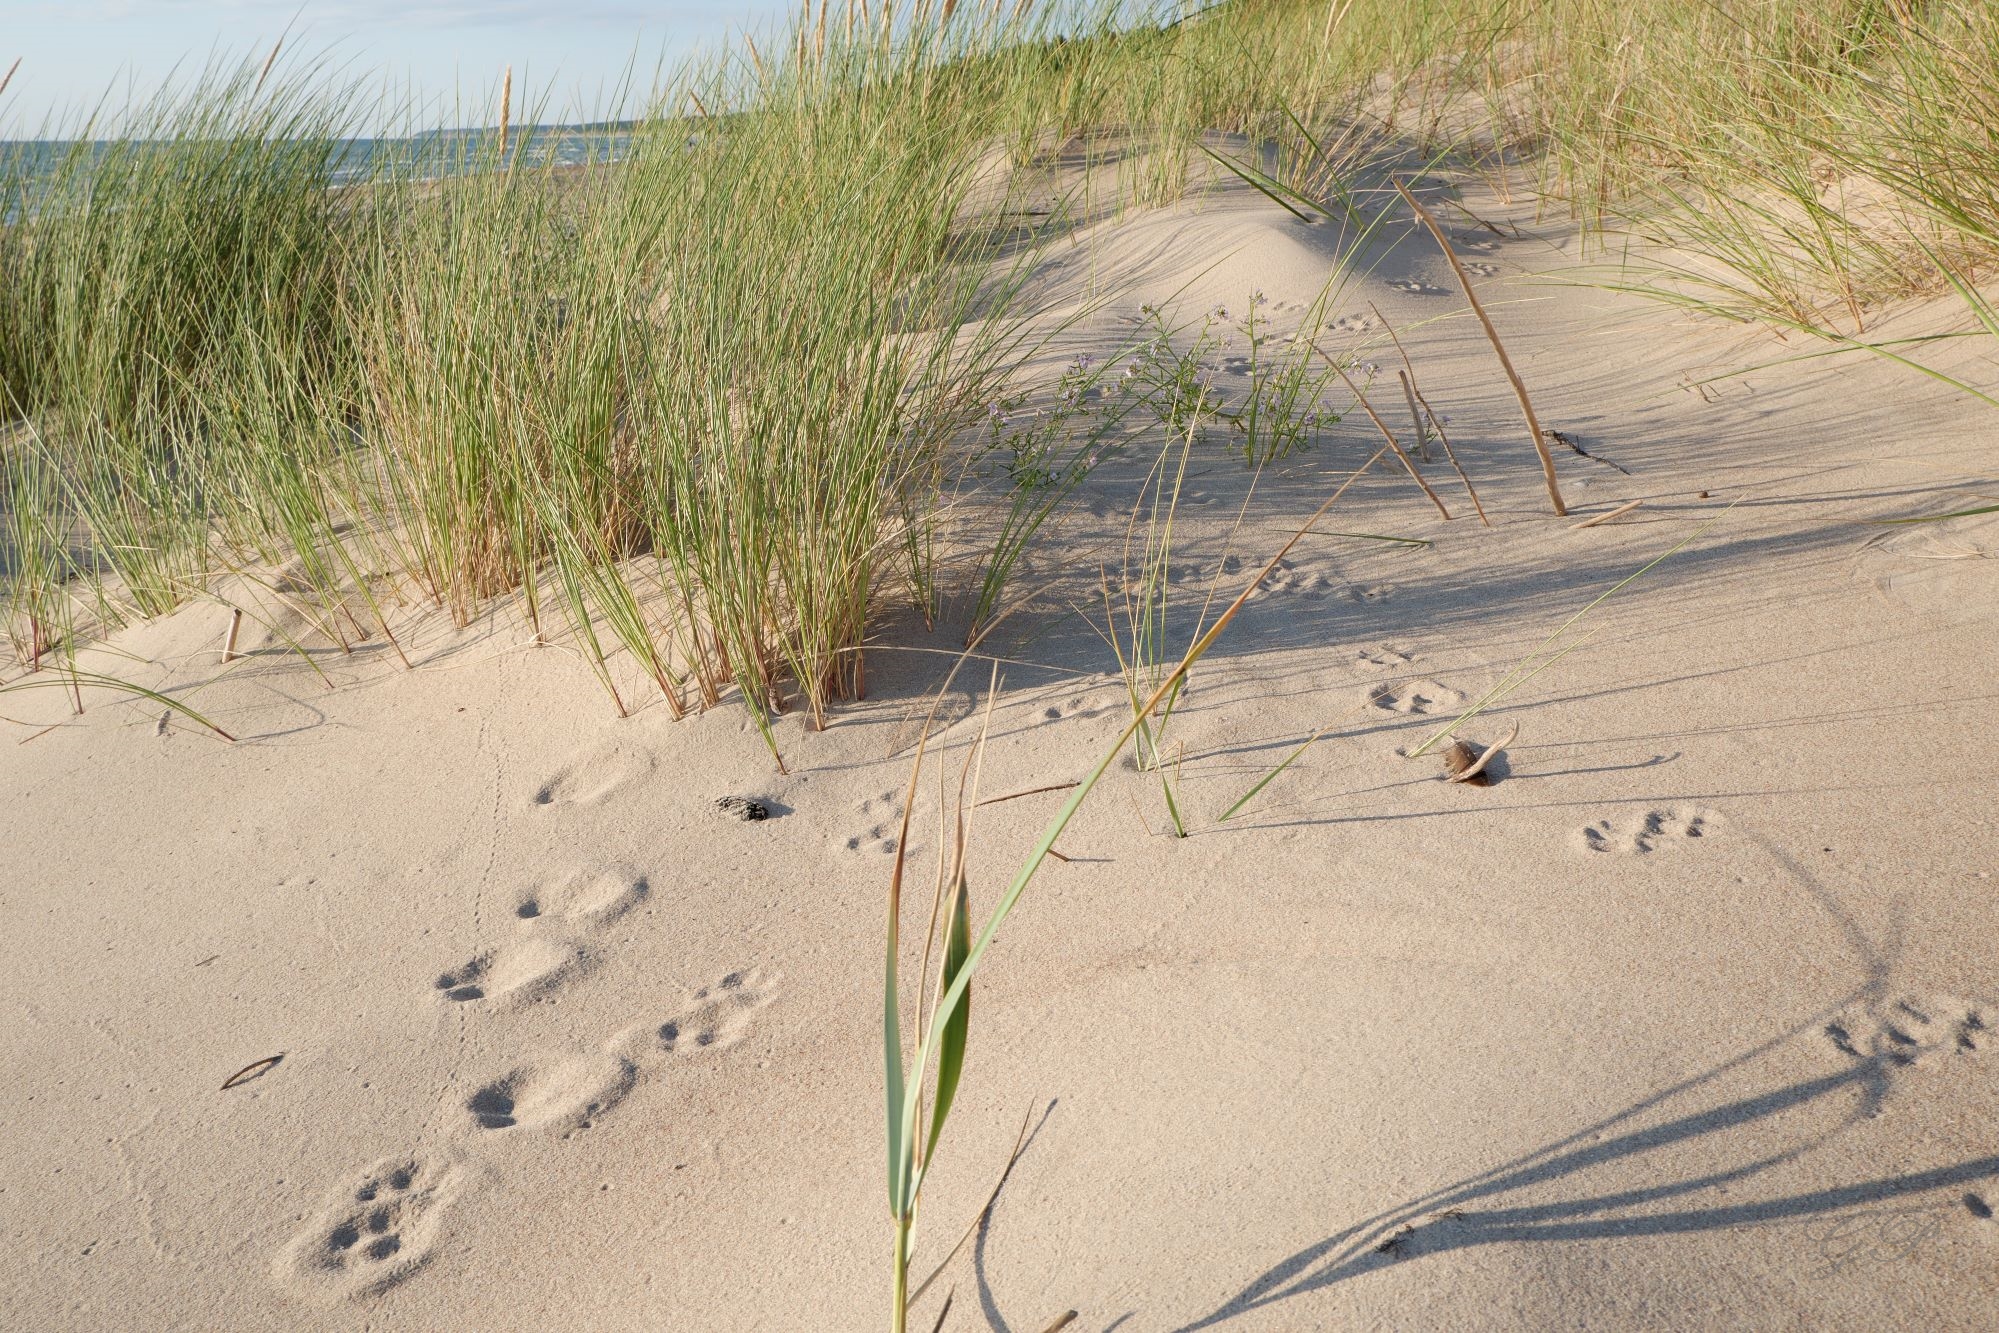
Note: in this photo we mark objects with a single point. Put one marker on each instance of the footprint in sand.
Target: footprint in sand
(1075, 706)
(1477, 244)
(1649, 832)
(1355, 323)
(1415, 697)
(714, 1017)
(1416, 288)
(595, 772)
(569, 1093)
(881, 819)
(1912, 1030)
(554, 928)
(377, 1229)
(1382, 657)
(1481, 270)
(1289, 580)
(383, 1225)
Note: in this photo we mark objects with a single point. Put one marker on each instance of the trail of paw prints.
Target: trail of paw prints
(1356, 324)
(375, 1230)
(381, 1226)
(594, 773)
(1415, 697)
(1649, 832)
(1415, 287)
(554, 939)
(880, 820)
(1480, 269)
(1288, 579)
(1912, 1030)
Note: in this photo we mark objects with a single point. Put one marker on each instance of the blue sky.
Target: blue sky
(567, 51)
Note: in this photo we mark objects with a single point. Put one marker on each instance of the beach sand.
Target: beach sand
(1689, 1020)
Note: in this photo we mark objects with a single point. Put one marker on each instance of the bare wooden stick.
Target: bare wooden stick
(229, 636)
(1618, 512)
(251, 1070)
(1408, 382)
(1505, 362)
(1443, 438)
(1031, 791)
(1382, 426)
(1415, 415)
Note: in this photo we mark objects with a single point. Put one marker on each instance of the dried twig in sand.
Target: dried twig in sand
(1415, 393)
(1382, 426)
(251, 1070)
(1618, 512)
(1505, 362)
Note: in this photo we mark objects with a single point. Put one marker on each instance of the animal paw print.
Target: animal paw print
(1382, 657)
(569, 1093)
(1235, 365)
(1355, 323)
(594, 773)
(1372, 594)
(1912, 1030)
(378, 1230)
(1649, 832)
(554, 928)
(882, 819)
(1076, 706)
(1476, 244)
(1288, 578)
(1481, 269)
(1415, 697)
(715, 1016)
(1414, 287)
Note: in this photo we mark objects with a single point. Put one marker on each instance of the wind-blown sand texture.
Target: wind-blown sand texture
(1691, 1019)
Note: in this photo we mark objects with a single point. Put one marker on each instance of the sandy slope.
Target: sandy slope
(1688, 1021)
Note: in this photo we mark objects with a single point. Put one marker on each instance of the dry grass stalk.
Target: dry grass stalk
(9, 76)
(506, 106)
(1505, 362)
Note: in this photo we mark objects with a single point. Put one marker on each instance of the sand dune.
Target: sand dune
(1691, 1019)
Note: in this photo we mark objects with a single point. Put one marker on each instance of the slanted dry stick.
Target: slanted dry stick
(1505, 362)
(1415, 415)
(1382, 426)
(1443, 438)
(1618, 512)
